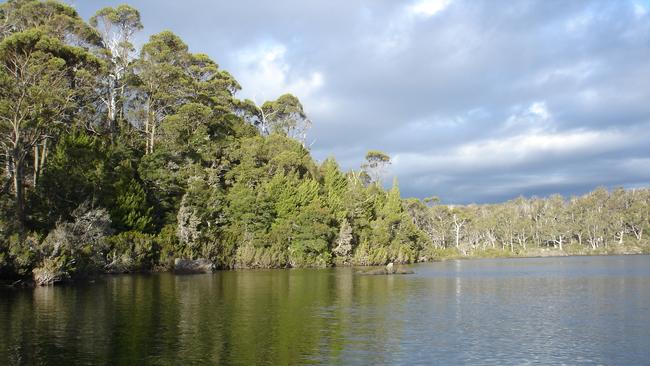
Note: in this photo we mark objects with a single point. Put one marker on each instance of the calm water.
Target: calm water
(578, 310)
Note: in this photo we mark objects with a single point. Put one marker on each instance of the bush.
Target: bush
(131, 251)
(437, 254)
(492, 253)
(52, 270)
(168, 245)
(75, 248)
(250, 256)
(22, 254)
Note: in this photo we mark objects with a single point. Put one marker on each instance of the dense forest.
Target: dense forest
(119, 160)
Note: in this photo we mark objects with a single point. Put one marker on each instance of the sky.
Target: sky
(475, 101)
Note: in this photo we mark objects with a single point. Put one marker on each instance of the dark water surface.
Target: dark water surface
(576, 310)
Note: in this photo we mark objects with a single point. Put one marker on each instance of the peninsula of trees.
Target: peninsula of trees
(119, 160)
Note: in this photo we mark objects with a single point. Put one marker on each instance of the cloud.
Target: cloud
(640, 10)
(397, 29)
(428, 8)
(535, 118)
(266, 73)
(520, 151)
(476, 101)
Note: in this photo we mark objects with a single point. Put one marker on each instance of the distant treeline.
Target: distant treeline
(598, 222)
(118, 161)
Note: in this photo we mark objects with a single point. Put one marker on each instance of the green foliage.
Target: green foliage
(286, 116)
(335, 186)
(115, 163)
(76, 172)
(41, 80)
(52, 17)
(75, 248)
(436, 253)
(375, 165)
(310, 244)
(130, 209)
(123, 17)
(168, 247)
(198, 223)
(22, 253)
(392, 235)
(131, 251)
(82, 167)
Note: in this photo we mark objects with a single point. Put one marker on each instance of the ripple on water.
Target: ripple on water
(590, 310)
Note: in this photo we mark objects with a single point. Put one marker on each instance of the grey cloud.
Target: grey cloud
(427, 86)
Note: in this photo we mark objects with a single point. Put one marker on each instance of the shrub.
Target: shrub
(131, 251)
(74, 248)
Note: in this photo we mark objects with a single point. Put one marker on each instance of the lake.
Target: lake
(547, 311)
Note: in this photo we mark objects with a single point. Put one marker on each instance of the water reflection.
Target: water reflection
(546, 311)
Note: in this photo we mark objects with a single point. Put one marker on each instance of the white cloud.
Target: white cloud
(437, 79)
(428, 8)
(534, 119)
(574, 73)
(265, 73)
(540, 110)
(640, 10)
(397, 34)
(589, 97)
(580, 23)
(521, 149)
(517, 151)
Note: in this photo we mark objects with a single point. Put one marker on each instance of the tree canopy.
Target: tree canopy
(118, 160)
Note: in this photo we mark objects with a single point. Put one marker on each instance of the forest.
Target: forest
(117, 159)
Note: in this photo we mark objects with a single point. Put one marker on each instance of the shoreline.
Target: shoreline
(29, 283)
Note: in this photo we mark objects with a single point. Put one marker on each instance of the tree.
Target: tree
(637, 212)
(186, 133)
(617, 205)
(161, 84)
(38, 78)
(284, 115)
(210, 85)
(117, 27)
(335, 186)
(523, 223)
(489, 225)
(431, 201)
(594, 219)
(77, 171)
(127, 201)
(441, 217)
(313, 237)
(375, 165)
(460, 218)
(419, 212)
(188, 170)
(557, 221)
(74, 248)
(53, 18)
(342, 247)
